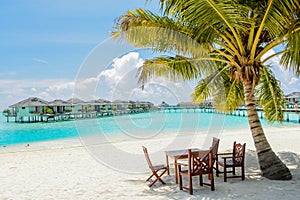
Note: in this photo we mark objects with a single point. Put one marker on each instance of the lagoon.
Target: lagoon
(135, 125)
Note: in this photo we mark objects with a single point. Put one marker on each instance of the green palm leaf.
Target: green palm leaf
(270, 96)
(173, 68)
(227, 94)
(291, 57)
(162, 34)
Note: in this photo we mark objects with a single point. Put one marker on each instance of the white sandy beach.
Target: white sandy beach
(65, 169)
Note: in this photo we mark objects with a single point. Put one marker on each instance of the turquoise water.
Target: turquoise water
(137, 124)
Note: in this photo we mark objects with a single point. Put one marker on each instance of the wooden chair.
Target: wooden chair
(232, 160)
(155, 169)
(214, 148)
(198, 165)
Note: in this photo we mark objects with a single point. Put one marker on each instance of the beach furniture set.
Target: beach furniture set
(198, 162)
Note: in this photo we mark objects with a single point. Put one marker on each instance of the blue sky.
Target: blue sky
(49, 39)
(45, 42)
(44, 36)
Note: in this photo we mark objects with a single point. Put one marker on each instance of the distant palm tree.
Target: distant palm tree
(224, 44)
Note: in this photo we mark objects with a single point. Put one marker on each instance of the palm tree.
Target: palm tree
(224, 44)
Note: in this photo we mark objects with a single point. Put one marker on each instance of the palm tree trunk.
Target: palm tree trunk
(270, 165)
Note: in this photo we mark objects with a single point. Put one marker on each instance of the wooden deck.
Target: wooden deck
(70, 116)
(238, 112)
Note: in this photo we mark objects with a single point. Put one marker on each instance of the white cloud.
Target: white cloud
(120, 82)
(294, 81)
(117, 82)
(12, 91)
(60, 90)
(40, 61)
(122, 66)
(289, 82)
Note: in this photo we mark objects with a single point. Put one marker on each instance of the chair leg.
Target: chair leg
(217, 169)
(233, 170)
(243, 173)
(225, 173)
(212, 182)
(158, 178)
(190, 184)
(180, 182)
(153, 183)
(201, 180)
(150, 177)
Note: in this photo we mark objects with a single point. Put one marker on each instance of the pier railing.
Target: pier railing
(238, 112)
(43, 117)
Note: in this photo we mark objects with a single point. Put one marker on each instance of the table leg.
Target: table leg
(167, 162)
(175, 170)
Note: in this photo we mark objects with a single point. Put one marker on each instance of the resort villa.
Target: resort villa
(38, 110)
(293, 100)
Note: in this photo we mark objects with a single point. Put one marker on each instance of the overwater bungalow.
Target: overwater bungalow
(30, 109)
(75, 105)
(99, 105)
(38, 110)
(144, 105)
(59, 106)
(293, 100)
(187, 104)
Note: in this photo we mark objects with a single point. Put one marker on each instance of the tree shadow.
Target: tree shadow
(292, 160)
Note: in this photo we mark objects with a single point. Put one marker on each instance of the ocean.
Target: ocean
(134, 125)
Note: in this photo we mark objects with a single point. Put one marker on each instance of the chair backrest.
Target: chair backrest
(238, 153)
(199, 164)
(148, 159)
(214, 148)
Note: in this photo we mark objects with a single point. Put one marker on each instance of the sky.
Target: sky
(48, 48)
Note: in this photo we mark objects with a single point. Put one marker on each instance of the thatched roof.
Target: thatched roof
(59, 102)
(103, 101)
(187, 104)
(97, 102)
(75, 101)
(32, 101)
(144, 102)
(163, 104)
(120, 102)
(293, 95)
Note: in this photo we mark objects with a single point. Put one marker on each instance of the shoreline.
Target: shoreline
(270, 131)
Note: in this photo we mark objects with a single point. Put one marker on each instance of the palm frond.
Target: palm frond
(204, 88)
(144, 29)
(291, 58)
(270, 96)
(230, 95)
(279, 16)
(227, 94)
(172, 68)
(221, 15)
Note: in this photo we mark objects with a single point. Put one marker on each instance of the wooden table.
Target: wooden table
(177, 154)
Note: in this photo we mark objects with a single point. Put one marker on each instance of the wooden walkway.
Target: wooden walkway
(70, 116)
(84, 115)
(237, 112)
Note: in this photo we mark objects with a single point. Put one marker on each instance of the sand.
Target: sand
(66, 169)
